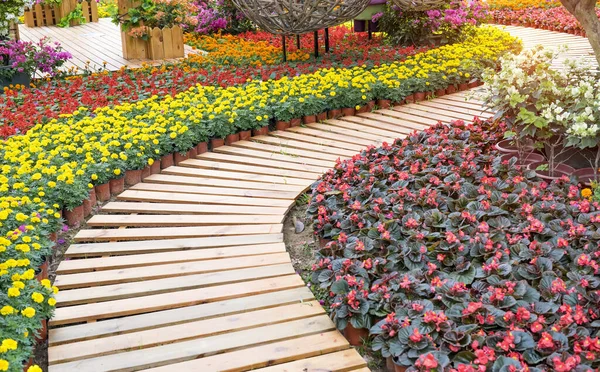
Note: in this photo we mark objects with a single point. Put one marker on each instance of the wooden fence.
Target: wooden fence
(13, 31)
(46, 15)
(163, 43)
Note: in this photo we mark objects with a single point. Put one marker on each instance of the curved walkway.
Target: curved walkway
(188, 270)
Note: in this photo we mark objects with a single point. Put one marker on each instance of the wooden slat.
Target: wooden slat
(403, 121)
(182, 332)
(377, 128)
(185, 189)
(121, 262)
(264, 162)
(150, 287)
(319, 137)
(135, 274)
(99, 235)
(265, 355)
(161, 197)
(350, 132)
(427, 111)
(178, 208)
(130, 306)
(456, 109)
(245, 168)
(113, 220)
(339, 361)
(285, 145)
(129, 324)
(249, 187)
(415, 112)
(275, 155)
(167, 245)
(196, 172)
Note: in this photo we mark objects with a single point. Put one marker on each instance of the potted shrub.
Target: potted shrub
(22, 59)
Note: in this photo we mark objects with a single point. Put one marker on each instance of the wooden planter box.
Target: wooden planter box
(13, 31)
(164, 43)
(45, 15)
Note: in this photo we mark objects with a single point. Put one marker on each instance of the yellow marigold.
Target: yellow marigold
(9, 344)
(37, 297)
(7, 310)
(586, 193)
(4, 365)
(34, 368)
(51, 302)
(28, 312)
(14, 292)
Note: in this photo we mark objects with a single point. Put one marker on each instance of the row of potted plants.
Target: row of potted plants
(552, 19)
(447, 257)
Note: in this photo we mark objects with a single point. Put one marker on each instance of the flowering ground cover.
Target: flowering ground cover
(459, 261)
(20, 109)
(52, 166)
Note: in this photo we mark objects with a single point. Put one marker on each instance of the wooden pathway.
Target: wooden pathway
(188, 270)
(93, 45)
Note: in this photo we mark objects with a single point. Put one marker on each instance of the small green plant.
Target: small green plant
(75, 16)
(303, 199)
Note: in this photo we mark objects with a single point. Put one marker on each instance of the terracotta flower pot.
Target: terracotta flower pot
(192, 153)
(371, 105)
(146, 172)
(74, 217)
(526, 159)
(428, 95)
(217, 142)
(53, 237)
(410, 98)
(420, 96)
(323, 242)
(473, 84)
(178, 158)
(463, 86)
(398, 368)
(117, 186)
(363, 109)
(232, 138)
(508, 147)
(261, 131)
(296, 122)
(355, 336)
(389, 364)
(103, 192)
(334, 114)
(201, 148)
(87, 207)
(166, 161)
(245, 135)
(440, 92)
(155, 167)
(348, 111)
(43, 272)
(282, 125)
(384, 103)
(450, 89)
(133, 177)
(322, 116)
(586, 176)
(43, 335)
(561, 170)
(309, 119)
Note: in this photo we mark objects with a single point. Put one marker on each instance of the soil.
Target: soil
(301, 247)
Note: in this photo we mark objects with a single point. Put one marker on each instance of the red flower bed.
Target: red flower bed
(553, 19)
(22, 109)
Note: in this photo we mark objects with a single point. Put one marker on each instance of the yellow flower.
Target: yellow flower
(9, 344)
(4, 365)
(28, 312)
(14, 292)
(150, 161)
(34, 368)
(37, 297)
(117, 172)
(7, 310)
(586, 193)
(51, 302)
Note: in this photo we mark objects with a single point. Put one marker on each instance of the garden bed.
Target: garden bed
(451, 256)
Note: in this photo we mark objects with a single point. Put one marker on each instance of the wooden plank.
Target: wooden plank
(416, 113)
(246, 186)
(177, 208)
(339, 361)
(177, 42)
(319, 147)
(323, 138)
(265, 355)
(167, 36)
(136, 274)
(156, 44)
(192, 349)
(167, 245)
(149, 287)
(427, 111)
(283, 158)
(130, 306)
(465, 110)
(194, 172)
(94, 11)
(157, 196)
(183, 332)
(264, 163)
(245, 168)
(278, 146)
(396, 118)
(376, 129)
(85, 9)
(396, 130)
(99, 235)
(349, 131)
(129, 324)
(458, 105)
(136, 260)
(114, 220)
(29, 21)
(39, 15)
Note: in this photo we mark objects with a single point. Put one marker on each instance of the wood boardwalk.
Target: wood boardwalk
(93, 45)
(188, 270)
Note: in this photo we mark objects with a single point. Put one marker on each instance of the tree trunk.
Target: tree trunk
(585, 12)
